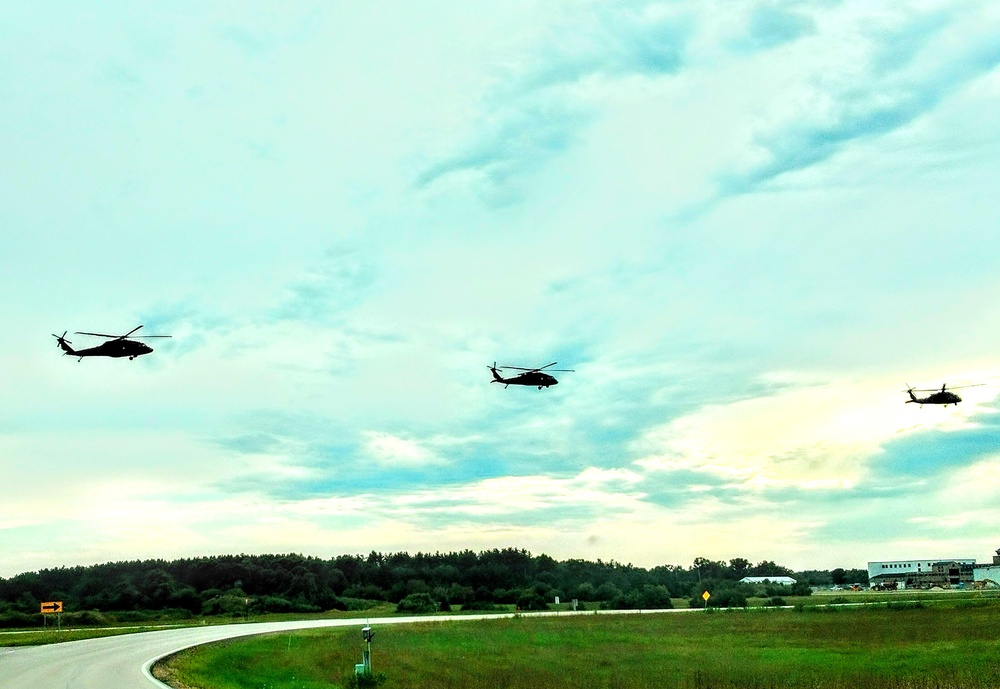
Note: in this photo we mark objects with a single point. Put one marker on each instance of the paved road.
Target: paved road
(123, 662)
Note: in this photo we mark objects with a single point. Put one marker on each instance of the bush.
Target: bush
(730, 598)
(356, 604)
(87, 618)
(14, 619)
(272, 604)
(530, 600)
(367, 680)
(417, 603)
(480, 605)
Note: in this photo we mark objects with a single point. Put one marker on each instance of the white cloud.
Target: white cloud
(391, 450)
(813, 437)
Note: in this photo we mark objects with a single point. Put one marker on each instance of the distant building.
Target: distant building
(783, 581)
(988, 575)
(924, 573)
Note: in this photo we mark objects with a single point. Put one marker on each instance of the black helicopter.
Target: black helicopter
(117, 346)
(531, 376)
(941, 396)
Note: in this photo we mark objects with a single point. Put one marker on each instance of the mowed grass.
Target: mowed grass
(927, 647)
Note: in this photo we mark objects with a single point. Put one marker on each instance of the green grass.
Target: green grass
(933, 646)
(41, 637)
(36, 636)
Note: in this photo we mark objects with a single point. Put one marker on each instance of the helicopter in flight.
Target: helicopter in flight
(941, 396)
(117, 346)
(531, 376)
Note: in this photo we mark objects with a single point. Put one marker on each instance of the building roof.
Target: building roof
(773, 580)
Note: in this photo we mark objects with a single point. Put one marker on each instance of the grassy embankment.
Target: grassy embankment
(954, 645)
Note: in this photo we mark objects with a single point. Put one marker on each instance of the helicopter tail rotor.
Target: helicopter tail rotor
(63, 343)
(497, 378)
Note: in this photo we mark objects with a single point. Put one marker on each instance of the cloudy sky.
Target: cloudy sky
(747, 227)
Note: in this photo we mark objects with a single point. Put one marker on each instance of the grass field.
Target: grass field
(953, 645)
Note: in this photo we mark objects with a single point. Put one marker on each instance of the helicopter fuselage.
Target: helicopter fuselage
(535, 378)
(113, 348)
(944, 397)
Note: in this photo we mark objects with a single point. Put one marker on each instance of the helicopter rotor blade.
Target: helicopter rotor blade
(545, 367)
(112, 337)
(942, 388)
(521, 368)
(61, 338)
(120, 337)
(146, 337)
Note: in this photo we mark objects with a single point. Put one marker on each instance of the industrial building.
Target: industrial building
(988, 576)
(922, 574)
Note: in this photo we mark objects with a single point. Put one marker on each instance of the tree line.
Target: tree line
(250, 584)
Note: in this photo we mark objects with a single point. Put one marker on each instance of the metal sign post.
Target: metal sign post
(367, 634)
(54, 607)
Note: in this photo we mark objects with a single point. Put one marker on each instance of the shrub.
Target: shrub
(530, 600)
(480, 605)
(356, 604)
(366, 680)
(87, 618)
(14, 619)
(417, 603)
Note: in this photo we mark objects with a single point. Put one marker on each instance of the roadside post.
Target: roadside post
(705, 596)
(366, 665)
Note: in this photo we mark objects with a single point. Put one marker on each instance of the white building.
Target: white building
(923, 573)
(988, 575)
(784, 581)
(899, 567)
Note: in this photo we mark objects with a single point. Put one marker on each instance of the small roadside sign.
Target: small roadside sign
(51, 607)
(705, 596)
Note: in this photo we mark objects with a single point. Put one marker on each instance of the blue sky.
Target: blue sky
(746, 227)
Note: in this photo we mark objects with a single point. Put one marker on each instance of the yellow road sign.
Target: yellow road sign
(706, 596)
(51, 607)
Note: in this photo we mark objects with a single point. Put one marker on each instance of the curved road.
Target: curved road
(123, 662)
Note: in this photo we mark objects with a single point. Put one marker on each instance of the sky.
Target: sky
(746, 227)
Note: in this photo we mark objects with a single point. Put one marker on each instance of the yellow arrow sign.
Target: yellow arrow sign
(52, 606)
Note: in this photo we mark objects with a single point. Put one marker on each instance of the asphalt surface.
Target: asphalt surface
(123, 662)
